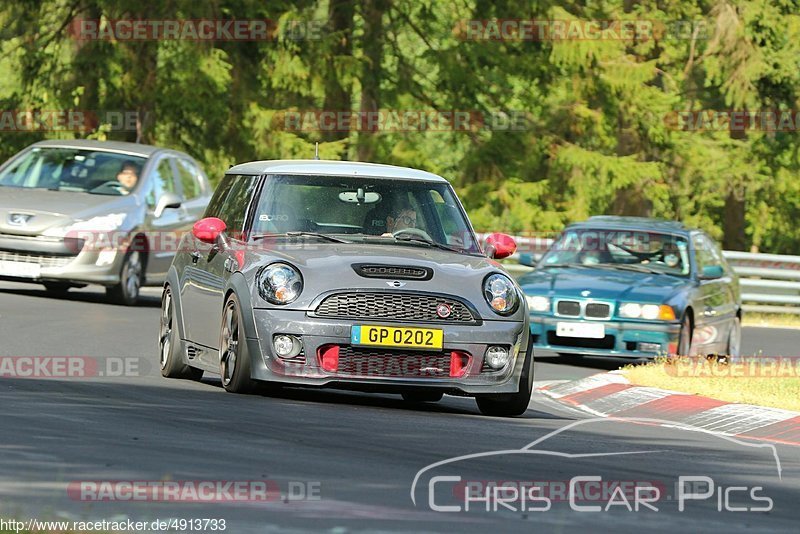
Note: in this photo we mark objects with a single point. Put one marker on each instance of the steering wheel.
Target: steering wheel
(112, 184)
(413, 231)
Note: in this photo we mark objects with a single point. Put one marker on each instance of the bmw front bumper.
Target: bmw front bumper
(627, 339)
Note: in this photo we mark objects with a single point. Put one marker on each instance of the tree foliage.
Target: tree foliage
(598, 135)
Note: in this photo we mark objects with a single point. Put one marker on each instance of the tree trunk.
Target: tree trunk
(372, 45)
(338, 96)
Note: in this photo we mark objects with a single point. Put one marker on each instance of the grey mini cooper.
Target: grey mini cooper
(347, 275)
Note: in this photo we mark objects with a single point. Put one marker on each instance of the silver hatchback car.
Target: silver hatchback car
(90, 212)
(350, 275)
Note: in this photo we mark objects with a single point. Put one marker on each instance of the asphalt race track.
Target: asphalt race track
(342, 461)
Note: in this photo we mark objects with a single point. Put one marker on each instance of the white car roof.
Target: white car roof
(333, 168)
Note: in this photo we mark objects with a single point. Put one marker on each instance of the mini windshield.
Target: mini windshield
(77, 170)
(621, 249)
(379, 210)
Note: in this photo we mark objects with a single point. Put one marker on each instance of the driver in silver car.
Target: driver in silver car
(128, 176)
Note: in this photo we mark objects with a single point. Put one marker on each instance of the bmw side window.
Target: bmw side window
(704, 252)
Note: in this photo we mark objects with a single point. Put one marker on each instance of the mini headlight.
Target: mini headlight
(279, 283)
(538, 303)
(501, 294)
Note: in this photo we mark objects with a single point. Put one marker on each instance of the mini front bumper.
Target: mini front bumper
(316, 332)
(623, 338)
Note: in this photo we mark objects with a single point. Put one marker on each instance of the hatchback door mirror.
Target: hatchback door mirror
(209, 230)
(499, 246)
(167, 200)
(712, 272)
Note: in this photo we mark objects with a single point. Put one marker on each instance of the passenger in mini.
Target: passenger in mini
(128, 176)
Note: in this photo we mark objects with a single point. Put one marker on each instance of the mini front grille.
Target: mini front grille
(393, 272)
(45, 260)
(358, 361)
(598, 310)
(569, 308)
(393, 306)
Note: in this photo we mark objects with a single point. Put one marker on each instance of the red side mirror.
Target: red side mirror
(207, 230)
(499, 246)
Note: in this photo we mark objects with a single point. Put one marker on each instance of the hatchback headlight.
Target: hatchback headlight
(538, 303)
(279, 283)
(501, 294)
(650, 312)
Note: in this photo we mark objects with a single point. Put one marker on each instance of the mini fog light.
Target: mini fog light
(286, 346)
(497, 357)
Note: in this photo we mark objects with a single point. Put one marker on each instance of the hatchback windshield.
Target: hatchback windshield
(365, 210)
(70, 169)
(621, 249)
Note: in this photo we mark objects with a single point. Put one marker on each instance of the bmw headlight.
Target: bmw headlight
(279, 283)
(538, 303)
(501, 294)
(650, 312)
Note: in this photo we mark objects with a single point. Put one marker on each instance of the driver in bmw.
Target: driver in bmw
(401, 217)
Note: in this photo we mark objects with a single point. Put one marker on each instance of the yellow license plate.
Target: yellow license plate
(390, 336)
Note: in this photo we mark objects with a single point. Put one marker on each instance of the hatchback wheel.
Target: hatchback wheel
(170, 360)
(130, 281)
(234, 359)
(511, 404)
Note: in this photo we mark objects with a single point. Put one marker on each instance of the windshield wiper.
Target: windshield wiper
(324, 237)
(430, 243)
(630, 267)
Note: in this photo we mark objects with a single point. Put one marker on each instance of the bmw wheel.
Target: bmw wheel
(735, 340)
(685, 339)
(234, 359)
(170, 360)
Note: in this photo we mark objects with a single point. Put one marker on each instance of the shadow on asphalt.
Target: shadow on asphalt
(96, 295)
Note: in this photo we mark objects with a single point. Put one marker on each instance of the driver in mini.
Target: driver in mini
(127, 176)
(401, 217)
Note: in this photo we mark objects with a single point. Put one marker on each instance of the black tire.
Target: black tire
(511, 404)
(130, 279)
(234, 358)
(170, 361)
(685, 336)
(423, 396)
(57, 289)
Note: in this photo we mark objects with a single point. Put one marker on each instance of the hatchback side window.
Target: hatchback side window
(230, 202)
(190, 183)
(163, 181)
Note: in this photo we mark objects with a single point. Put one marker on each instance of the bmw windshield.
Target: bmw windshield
(70, 169)
(374, 210)
(654, 252)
